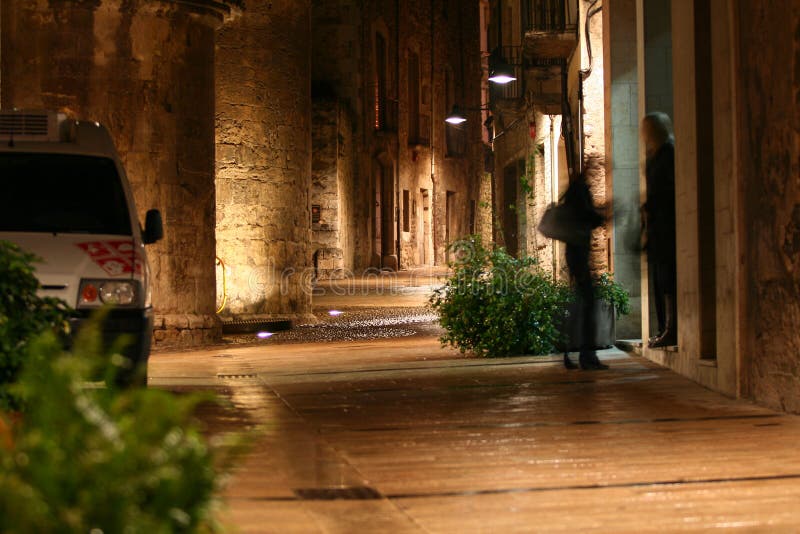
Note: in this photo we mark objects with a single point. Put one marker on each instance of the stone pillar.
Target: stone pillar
(622, 153)
(145, 69)
(264, 160)
(768, 120)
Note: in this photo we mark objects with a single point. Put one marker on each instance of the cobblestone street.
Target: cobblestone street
(399, 435)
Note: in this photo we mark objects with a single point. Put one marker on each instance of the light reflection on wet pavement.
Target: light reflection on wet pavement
(353, 324)
(400, 435)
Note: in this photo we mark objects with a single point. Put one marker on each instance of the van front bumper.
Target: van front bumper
(135, 326)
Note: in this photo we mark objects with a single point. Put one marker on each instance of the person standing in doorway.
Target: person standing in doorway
(659, 224)
(586, 217)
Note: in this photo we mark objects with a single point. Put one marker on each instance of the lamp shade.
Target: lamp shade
(502, 73)
(456, 116)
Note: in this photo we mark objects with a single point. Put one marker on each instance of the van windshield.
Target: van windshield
(61, 193)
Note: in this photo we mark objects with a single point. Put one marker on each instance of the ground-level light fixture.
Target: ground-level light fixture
(335, 313)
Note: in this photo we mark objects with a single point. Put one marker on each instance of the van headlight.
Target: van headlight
(96, 293)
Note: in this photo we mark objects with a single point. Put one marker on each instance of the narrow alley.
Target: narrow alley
(369, 229)
(399, 435)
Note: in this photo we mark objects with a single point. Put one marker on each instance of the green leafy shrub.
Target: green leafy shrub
(497, 305)
(23, 315)
(101, 459)
(85, 455)
(610, 291)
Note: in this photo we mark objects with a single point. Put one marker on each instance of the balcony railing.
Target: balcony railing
(550, 16)
(512, 56)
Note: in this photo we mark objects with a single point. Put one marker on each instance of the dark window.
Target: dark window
(406, 212)
(413, 99)
(380, 82)
(61, 193)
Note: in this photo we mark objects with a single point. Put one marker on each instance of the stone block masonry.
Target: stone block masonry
(332, 189)
(769, 138)
(263, 114)
(145, 69)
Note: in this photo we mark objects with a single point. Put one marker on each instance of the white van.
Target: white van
(64, 196)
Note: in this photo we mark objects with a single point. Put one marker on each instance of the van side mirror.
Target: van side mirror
(153, 227)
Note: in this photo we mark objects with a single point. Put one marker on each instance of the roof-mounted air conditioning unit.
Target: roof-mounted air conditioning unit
(40, 126)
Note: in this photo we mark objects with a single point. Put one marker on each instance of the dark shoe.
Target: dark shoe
(590, 362)
(667, 339)
(670, 335)
(569, 363)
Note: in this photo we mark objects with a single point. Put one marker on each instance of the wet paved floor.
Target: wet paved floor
(399, 435)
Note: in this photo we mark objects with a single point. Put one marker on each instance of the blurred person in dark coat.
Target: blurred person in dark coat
(659, 225)
(586, 218)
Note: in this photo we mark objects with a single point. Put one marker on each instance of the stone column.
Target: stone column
(264, 160)
(622, 153)
(145, 69)
(767, 115)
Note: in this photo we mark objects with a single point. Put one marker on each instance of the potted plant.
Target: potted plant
(611, 302)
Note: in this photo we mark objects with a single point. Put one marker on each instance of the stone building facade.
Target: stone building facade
(737, 153)
(532, 143)
(407, 184)
(210, 105)
(144, 68)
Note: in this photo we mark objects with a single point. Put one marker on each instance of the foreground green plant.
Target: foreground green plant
(100, 459)
(23, 316)
(497, 305)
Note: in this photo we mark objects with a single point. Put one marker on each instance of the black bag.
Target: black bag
(560, 222)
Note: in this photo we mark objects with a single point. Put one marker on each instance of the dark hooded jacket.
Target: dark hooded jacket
(660, 206)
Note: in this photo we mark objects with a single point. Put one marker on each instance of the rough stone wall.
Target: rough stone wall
(324, 173)
(145, 70)
(537, 166)
(263, 68)
(594, 144)
(345, 179)
(769, 135)
(514, 145)
(484, 224)
(332, 186)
